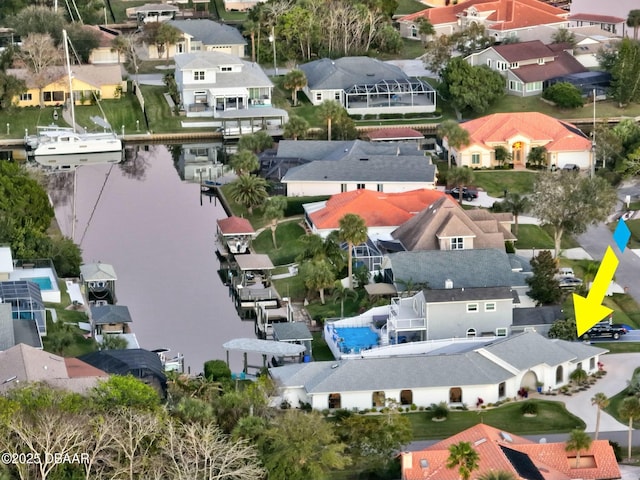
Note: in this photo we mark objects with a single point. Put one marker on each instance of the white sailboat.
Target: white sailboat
(64, 147)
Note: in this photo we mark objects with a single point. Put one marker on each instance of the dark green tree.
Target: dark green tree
(249, 191)
(537, 156)
(471, 88)
(244, 162)
(124, 391)
(501, 155)
(295, 81)
(464, 457)
(216, 370)
(162, 35)
(456, 136)
(274, 209)
(66, 257)
(629, 410)
(39, 19)
(562, 35)
(516, 204)
(633, 21)
(578, 440)
(625, 74)
(83, 40)
(425, 29)
(564, 330)
(544, 288)
(318, 275)
(296, 127)
(113, 342)
(10, 87)
(353, 231)
(564, 95)
(255, 142)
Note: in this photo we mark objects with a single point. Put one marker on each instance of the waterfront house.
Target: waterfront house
(493, 371)
(528, 66)
(502, 19)
(611, 16)
(22, 364)
(89, 81)
(202, 35)
(502, 451)
(365, 85)
(98, 283)
(518, 133)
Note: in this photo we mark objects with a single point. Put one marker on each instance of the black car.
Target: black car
(605, 330)
(467, 193)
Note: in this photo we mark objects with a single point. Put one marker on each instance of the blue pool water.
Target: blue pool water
(355, 339)
(43, 282)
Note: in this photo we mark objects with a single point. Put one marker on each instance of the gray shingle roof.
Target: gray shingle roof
(7, 337)
(251, 74)
(209, 32)
(346, 72)
(288, 331)
(339, 149)
(544, 315)
(465, 294)
(105, 314)
(466, 268)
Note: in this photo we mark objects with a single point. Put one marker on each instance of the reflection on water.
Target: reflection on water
(159, 236)
(71, 162)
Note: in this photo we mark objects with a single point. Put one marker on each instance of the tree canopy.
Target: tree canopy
(471, 88)
(544, 288)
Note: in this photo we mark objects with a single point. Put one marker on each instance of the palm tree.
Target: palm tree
(248, 191)
(295, 80)
(630, 410)
(578, 440)
(255, 142)
(425, 28)
(456, 136)
(353, 230)
(460, 177)
(578, 376)
(329, 110)
(497, 475)
(537, 155)
(273, 211)
(250, 27)
(340, 294)
(318, 275)
(463, 457)
(633, 21)
(516, 204)
(244, 162)
(501, 154)
(296, 127)
(601, 401)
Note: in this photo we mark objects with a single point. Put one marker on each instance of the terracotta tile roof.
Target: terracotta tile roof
(235, 225)
(499, 450)
(76, 368)
(498, 128)
(376, 208)
(507, 14)
(592, 17)
(394, 134)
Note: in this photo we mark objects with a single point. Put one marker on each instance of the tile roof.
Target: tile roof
(514, 52)
(499, 128)
(76, 368)
(592, 17)
(506, 14)
(376, 208)
(394, 134)
(445, 218)
(500, 450)
(235, 225)
(209, 32)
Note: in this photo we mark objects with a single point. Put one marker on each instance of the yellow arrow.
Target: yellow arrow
(590, 310)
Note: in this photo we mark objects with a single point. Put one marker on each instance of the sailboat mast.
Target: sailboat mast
(71, 99)
(593, 141)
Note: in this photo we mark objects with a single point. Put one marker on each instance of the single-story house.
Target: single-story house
(444, 225)
(604, 13)
(382, 212)
(527, 66)
(502, 451)
(365, 85)
(539, 319)
(103, 81)
(501, 18)
(23, 364)
(519, 133)
(493, 372)
(202, 35)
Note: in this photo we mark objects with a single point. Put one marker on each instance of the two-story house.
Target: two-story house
(501, 18)
(526, 66)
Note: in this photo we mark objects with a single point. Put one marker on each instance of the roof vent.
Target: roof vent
(335, 365)
(424, 463)
(479, 442)
(448, 283)
(506, 437)
(364, 159)
(542, 440)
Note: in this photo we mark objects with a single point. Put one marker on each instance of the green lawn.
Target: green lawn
(119, 8)
(125, 111)
(616, 401)
(321, 351)
(552, 417)
(620, 347)
(28, 118)
(495, 182)
(405, 7)
(534, 236)
(410, 49)
(233, 17)
(287, 235)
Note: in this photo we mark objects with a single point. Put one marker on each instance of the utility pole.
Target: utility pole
(593, 136)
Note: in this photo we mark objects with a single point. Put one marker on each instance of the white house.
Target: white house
(611, 16)
(495, 371)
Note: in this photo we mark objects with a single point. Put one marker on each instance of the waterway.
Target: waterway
(158, 232)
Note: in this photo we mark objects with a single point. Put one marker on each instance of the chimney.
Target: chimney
(406, 462)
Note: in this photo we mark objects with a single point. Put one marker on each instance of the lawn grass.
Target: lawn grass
(634, 226)
(495, 182)
(119, 8)
(291, 287)
(27, 118)
(321, 352)
(231, 17)
(541, 238)
(161, 118)
(331, 308)
(619, 347)
(123, 112)
(287, 235)
(552, 417)
(616, 401)
(405, 7)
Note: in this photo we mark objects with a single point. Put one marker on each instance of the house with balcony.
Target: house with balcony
(502, 19)
(365, 85)
(223, 86)
(528, 66)
(202, 35)
(518, 133)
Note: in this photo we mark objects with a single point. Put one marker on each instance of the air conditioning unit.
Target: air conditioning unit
(101, 303)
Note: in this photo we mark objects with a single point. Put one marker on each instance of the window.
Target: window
(25, 96)
(198, 75)
(334, 400)
(319, 96)
(455, 395)
(515, 86)
(501, 332)
(472, 307)
(457, 243)
(592, 363)
(380, 187)
(534, 86)
(559, 374)
(541, 61)
(360, 186)
(336, 96)
(490, 307)
(225, 69)
(514, 65)
(502, 66)
(489, 62)
(501, 389)
(471, 333)
(475, 159)
(414, 31)
(343, 187)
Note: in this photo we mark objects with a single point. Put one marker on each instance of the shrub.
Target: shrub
(529, 407)
(370, 116)
(215, 370)
(441, 410)
(413, 407)
(564, 95)
(342, 414)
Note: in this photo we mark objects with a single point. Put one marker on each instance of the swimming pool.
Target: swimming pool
(355, 339)
(43, 282)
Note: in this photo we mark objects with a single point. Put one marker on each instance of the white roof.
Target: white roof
(266, 347)
(6, 260)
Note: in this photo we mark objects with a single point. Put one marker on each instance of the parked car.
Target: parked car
(569, 282)
(605, 329)
(565, 272)
(467, 193)
(570, 167)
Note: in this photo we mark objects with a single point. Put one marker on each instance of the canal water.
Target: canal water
(158, 232)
